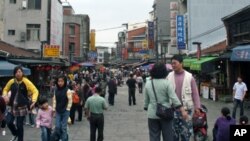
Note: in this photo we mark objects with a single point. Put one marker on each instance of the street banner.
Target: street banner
(180, 25)
(151, 34)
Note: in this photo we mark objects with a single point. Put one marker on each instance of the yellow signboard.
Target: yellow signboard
(51, 51)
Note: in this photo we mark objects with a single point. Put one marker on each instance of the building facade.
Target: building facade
(76, 34)
(37, 20)
(204, 21)
(102, 54)
(1, 18)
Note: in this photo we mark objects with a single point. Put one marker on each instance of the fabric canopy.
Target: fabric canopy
(87, 64)
(197, 65)
(6, 69)
(241, 53)
(188, 61)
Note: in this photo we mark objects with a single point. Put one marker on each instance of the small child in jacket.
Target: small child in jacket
(44, 119)
(243, 120)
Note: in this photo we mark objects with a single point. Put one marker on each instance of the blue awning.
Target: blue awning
(241, 53)
(6, 69)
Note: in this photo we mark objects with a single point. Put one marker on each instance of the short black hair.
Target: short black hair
(42, 100)
(16, 69)
(98, 90)
(131, 75)
(178, 58)
(243, 120)
(225, 111)
(159, 71)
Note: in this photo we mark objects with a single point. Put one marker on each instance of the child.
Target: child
(243, 120)
(221, 129)
(44, 119)
(200, 124)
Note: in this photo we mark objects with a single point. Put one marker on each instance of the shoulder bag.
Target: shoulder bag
(161, 110)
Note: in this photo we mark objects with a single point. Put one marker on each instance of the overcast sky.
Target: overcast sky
(112, 13)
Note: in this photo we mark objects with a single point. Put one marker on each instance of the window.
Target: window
(33, 32)
(11, 32)
(72, 29)
(72, 47)
(100, 60)
(13, 1)
(34, 4)
(100, 54)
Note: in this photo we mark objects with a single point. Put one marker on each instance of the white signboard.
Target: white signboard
(56, 23)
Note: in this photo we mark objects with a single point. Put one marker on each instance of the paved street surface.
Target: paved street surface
(122, 122)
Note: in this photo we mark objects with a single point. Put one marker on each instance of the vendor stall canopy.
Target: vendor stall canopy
(6, 69)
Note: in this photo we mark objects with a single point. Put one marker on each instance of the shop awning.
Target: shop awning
(35, 62)
(187, 62)
(241, 53)
(6, 69)
(198, 64)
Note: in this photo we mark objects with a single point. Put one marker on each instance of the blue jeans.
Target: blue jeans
(45, 133)
(237, 103)
(61, 124)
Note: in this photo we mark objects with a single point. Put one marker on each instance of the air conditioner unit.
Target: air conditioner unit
(24, 4)
(22, 36)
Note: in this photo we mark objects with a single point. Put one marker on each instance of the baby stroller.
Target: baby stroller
(200, 124)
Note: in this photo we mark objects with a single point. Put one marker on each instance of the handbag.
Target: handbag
(161, 110)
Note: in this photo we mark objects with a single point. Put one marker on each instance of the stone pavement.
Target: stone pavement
(123, 122)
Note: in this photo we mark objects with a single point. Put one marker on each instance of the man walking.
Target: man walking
(94, 107)
(112, 91)
(239, 93)
(187, 92)
(131, 82)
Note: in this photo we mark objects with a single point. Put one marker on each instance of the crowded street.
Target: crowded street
(123, 122)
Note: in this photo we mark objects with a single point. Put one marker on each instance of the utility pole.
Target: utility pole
(42, 44)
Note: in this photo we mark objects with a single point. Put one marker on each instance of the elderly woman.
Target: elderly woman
(167, 97)
(21, 89)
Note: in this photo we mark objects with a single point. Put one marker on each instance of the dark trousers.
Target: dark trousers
(131, 96)
(79, 110)
(96, 123)
(111, 98)
(158, 127)
(140, 87)
(16, 130)
(237, 103)
(72, 112)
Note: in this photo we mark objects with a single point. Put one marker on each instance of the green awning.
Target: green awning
(197, 64)
(187, 62)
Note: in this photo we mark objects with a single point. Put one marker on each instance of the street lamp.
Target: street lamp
(198, 49)
(85, 51)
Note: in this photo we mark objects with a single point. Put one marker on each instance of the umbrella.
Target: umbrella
(168, 66)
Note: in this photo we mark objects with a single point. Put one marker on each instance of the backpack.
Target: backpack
(76, 98)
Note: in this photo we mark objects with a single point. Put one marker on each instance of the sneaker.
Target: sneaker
(14, 138)
(32, 125)
(3, 132)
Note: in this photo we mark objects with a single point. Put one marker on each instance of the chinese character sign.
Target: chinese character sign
(180, 30)
(151, 35)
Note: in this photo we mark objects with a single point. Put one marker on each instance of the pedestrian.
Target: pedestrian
(75, 102)
(112, 86)
(103, 85)
(131, 83)
(186, 90)
(243, 120)
(44, 119)
(62, 102)
(81, 103)
(239, 93)
(221, 131)
(139, 81)
(165, 95)
(20, 88)
(94, 107)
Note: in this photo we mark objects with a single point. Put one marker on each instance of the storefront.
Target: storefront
(238, 36)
